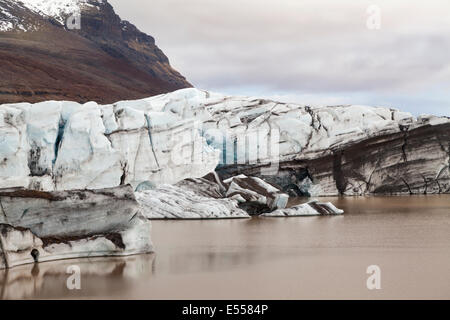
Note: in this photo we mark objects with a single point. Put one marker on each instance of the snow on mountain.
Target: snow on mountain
(11, 17)
(59, 9)
(14, 13)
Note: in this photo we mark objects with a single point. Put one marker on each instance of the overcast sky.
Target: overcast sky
(307, 51)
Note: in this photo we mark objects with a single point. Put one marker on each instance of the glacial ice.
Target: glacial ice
(254, 189)
(168, 138)
(311, 208)
(38, 226)
(65, 146)
(163, 145)
(176, 202)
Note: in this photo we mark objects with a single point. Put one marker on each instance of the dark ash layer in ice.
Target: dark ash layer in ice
(38, 226)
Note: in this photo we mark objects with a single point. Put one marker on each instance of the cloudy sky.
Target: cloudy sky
(307, 51)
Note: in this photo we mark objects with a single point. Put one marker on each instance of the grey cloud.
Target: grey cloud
(319, 47)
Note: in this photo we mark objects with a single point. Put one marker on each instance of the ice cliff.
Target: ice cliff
(64, 146)
(306, 150)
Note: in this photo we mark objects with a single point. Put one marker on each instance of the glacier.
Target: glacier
(65, 146)
(194, 154)
(306, 150)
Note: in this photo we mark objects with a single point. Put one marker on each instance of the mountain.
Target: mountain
(106, 60)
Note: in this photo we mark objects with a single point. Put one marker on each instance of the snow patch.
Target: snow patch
(58, 9)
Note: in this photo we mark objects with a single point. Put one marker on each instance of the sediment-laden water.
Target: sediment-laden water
(270, 258)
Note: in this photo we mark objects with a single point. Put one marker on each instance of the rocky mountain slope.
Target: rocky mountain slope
(106, 60)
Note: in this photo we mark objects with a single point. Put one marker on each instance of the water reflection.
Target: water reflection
(99, 277)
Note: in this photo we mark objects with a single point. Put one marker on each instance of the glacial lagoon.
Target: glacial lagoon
(320, 257)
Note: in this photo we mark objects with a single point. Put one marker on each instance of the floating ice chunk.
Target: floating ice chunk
(313, 208)
(175, 202)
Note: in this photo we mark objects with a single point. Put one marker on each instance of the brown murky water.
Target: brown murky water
(270, 258)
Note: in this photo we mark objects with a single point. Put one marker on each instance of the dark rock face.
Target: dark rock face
(107, 60)
(121, 39)
(399, 163)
